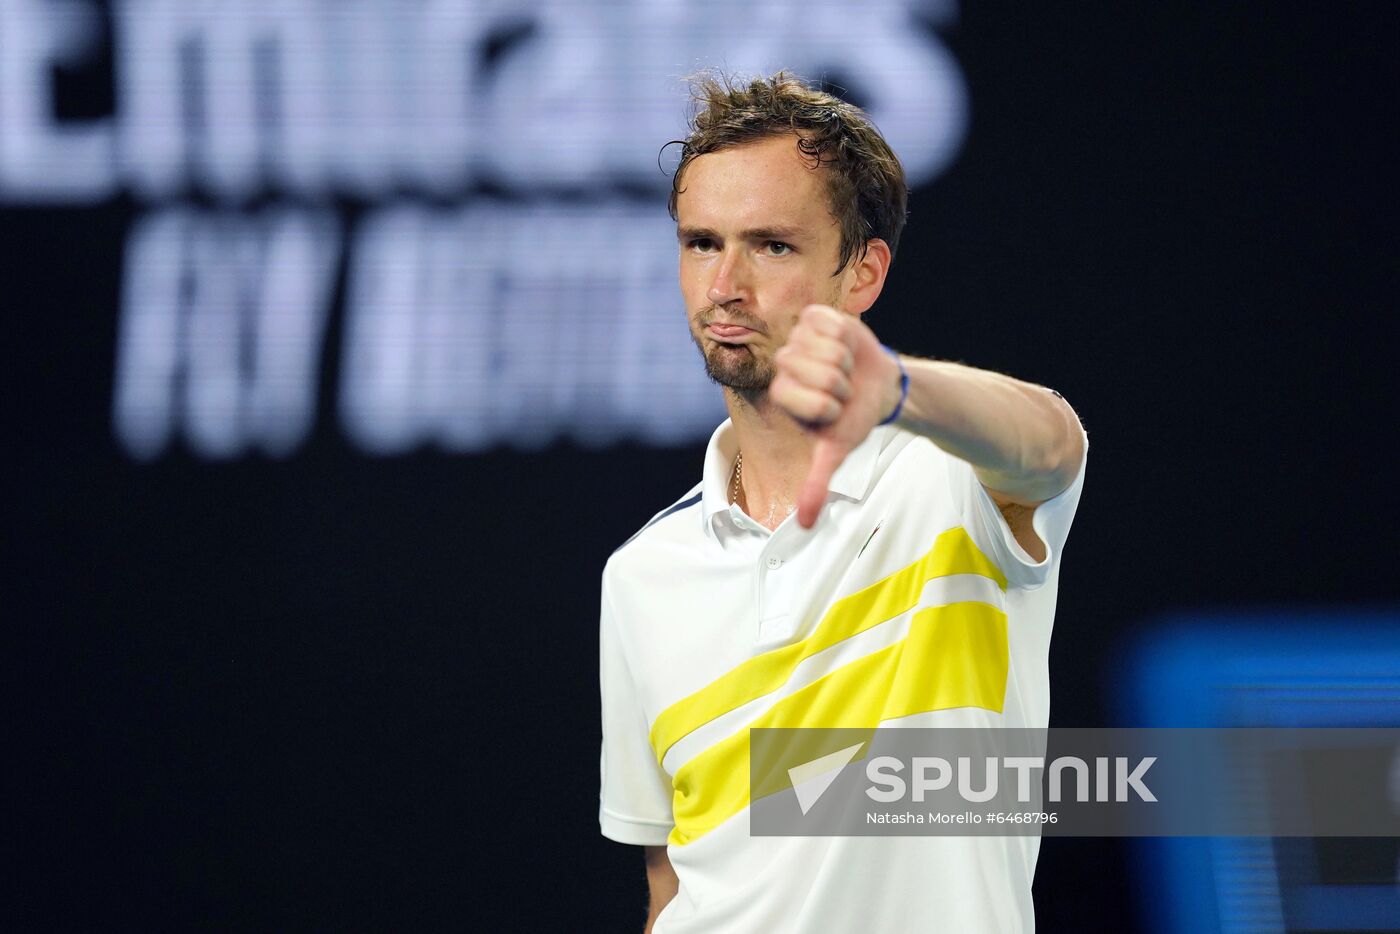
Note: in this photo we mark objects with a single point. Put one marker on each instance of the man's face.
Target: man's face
(757, 245)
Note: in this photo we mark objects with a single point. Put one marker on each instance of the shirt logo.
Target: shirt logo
(867, 541)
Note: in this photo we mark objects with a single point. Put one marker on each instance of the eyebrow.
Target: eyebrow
(757, 233)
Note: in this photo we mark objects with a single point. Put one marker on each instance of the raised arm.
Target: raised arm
(1023, 440)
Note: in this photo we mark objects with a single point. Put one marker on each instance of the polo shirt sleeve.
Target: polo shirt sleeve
(989, 529)
(634, 803)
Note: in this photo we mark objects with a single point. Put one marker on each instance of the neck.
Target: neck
(777, 454)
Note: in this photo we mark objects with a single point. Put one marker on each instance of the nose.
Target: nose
(730, 281)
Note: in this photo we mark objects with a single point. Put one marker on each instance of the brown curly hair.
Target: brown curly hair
(869, 197)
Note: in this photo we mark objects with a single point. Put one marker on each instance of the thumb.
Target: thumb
(827, 455)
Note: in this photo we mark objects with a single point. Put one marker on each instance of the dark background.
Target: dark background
(341, 692)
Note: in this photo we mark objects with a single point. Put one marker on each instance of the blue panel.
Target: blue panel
(1287, 668)
(1349, 907)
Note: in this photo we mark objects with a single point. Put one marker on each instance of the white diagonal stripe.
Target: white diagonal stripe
(940, 591)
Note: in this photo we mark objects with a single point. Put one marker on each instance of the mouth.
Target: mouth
(729, 333)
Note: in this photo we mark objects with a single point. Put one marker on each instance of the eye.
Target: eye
(701, 244)
(778, 248)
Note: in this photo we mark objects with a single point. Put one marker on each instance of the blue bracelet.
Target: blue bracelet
(903, 387)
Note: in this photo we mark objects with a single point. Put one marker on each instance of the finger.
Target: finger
(816, 374)
(804, 403)
(824, 319)
(827, 455)
(822, 347)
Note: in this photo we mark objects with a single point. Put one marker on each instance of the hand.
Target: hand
(837, 381)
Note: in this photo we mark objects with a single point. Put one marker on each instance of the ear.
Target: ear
(865, 277)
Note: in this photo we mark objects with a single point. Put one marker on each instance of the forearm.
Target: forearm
(662, 883)
(1024, 440)
(654, 907)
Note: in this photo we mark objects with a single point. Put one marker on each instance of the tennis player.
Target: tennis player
(875, 541)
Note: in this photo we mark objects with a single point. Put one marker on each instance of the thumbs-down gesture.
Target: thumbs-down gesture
(834, 377)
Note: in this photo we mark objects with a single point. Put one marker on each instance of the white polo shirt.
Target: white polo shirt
(910, 603)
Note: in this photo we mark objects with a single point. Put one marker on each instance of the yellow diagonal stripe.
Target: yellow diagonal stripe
(953, 552)
(954, 656)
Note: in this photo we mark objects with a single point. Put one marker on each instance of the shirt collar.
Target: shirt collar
(851, 480)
